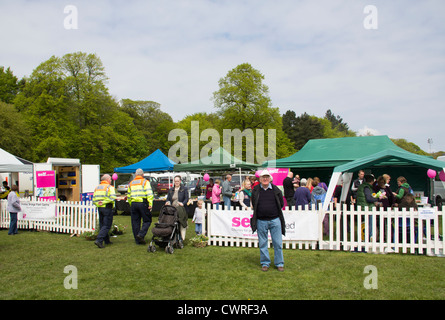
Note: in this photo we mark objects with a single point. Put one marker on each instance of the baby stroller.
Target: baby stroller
(166, 231)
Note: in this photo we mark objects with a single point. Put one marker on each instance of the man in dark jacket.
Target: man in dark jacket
(288, 188)
(267, 201)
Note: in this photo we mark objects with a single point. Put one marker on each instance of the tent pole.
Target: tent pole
(347, 179)
(331, 189)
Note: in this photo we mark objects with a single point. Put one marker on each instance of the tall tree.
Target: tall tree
(15, 133)
(151, 122)
(9, 85)
(336, 122)
(409, 146)
(243, 102)
(71, 114)
(199, 138)
(301, 129)
(44, 104)
(85, 79)
(305, 127)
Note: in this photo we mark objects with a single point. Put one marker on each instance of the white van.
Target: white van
(439, 188)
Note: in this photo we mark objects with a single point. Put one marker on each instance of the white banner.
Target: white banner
(427, 213)
(299, 226)
(42, 211)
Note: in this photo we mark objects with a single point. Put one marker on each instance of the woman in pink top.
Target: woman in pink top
(216, 191)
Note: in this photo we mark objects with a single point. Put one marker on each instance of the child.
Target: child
(244, 195)
(216, 191)
(197, 217)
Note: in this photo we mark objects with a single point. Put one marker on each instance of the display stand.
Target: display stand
(68, 182)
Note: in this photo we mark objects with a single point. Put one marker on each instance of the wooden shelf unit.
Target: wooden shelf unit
(68, 182)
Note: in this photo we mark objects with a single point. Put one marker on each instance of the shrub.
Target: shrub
(199, 241)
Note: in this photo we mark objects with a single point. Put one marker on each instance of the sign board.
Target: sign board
(278, 175)
(90, 177)
(427, 213)
(235, 223)
(46, 185)
(41, 211)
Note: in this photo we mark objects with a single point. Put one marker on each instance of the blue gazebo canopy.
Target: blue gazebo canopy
(157, 161)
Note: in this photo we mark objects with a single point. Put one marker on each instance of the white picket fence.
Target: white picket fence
(71, 217)
(343, 229)
(380, 231)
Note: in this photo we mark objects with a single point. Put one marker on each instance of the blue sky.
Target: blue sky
(315, 55)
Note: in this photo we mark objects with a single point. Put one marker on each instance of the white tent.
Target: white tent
(10, 163)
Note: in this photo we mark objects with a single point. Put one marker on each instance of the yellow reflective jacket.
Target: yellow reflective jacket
(4, 195)
(105, 193)
(138, 190)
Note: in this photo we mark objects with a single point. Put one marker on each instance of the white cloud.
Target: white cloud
(366, 131)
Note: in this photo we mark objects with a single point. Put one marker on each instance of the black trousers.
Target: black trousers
(290, 202)
(105, 222)
(140, 211)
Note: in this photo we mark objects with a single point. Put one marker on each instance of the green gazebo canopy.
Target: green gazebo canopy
(330, 153)
(219, 160)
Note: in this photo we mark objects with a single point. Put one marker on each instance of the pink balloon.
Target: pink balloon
(114, 176)
(206, 177)
(442, 175)
(431, 173)
(257, 173)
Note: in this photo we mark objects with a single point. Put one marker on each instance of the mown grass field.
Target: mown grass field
(32, 267)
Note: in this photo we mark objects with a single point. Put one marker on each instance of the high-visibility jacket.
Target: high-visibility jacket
(4, 195)
(140, 189)
(105, 193)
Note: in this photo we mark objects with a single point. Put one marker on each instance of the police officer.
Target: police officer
(103, 197)
(140, 198)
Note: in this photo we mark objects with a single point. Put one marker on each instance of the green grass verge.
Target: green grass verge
(32, 267)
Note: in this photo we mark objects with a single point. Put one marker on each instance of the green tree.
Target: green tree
(15, 133)
(86, 91)
(301, 129)
(409, 146)
(151, 122)
(46, 110)
(9, 85)
(336, 122)
(306, 127)
(70, 113)
(243, 102)
(328, 131)
(204, 121)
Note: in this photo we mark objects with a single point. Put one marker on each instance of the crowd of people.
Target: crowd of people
(365, 191)
(215, 190)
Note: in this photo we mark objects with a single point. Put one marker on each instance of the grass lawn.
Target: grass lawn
(32, 267)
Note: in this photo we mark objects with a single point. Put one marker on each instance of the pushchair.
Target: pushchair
(166, 231)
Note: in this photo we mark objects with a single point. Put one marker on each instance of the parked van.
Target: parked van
(164, 181)
(439, 188)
